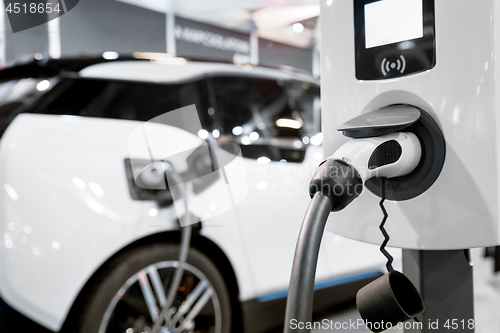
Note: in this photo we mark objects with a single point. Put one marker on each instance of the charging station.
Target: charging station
(421, 53)
(450, 74)
(426, 68)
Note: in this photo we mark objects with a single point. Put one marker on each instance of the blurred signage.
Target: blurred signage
(197, 39)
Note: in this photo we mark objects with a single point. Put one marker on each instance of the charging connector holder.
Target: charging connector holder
(410, 119)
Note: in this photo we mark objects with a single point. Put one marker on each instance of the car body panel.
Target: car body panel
(281, 193)
(67, 208)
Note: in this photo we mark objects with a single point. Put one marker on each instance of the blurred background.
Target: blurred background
(279, 32)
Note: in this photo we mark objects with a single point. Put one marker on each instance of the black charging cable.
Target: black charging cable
(300, 297)
(334, 185)
(390, 259)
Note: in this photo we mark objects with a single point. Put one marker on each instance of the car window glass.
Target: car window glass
(268, 118)
(124, 100)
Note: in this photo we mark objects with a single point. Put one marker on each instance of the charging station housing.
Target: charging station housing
(447, 69)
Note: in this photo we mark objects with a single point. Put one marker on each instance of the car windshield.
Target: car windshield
(116, 99)
(265, 117)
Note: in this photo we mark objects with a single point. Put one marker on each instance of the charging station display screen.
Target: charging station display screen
(392, 21)
(393, 38)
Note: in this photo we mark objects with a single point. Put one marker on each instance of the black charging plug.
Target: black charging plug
(338, 181)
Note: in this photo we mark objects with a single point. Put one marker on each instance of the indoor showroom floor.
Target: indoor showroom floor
(486, 301)
(486, 293)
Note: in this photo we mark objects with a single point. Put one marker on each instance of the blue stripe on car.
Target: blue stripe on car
(323, 284)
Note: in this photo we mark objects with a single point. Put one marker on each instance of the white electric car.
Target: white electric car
(85, 249)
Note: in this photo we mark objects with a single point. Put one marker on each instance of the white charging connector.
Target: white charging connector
(390, 155)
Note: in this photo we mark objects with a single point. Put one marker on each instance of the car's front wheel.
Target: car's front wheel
(129, 293)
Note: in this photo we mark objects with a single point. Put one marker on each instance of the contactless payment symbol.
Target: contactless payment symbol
(400, 65)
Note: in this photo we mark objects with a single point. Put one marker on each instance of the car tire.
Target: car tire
(122, 276)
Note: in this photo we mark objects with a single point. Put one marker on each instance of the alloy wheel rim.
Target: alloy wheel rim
(196, 297)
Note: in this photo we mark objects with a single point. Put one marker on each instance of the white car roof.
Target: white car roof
(176, 70)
